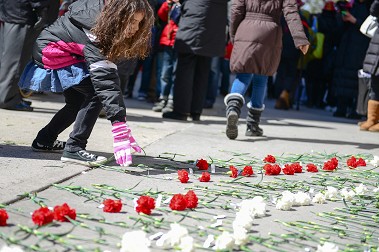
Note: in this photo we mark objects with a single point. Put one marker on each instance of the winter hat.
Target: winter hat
(329, 6)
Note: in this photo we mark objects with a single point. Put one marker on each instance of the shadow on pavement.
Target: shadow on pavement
(365, 146)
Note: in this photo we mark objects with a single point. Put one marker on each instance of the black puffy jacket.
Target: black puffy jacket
(21, 11)
(371, 62)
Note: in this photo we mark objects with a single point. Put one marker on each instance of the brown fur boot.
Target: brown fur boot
(372, 115)
(283, 102)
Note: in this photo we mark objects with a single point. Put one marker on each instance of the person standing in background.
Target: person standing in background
(370, 65)
(256, 34)
(22, 21)
(349, 56)
(201, 36)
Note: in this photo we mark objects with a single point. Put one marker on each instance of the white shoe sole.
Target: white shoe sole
(85, 163)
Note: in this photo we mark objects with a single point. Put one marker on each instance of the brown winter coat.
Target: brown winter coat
(257, 34)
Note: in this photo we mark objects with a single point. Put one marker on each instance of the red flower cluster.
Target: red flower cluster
(331, 164)
(3, 217)
(234, 171)
(288, 169)
(145, 204)
(42, 216)
(183, 176)
(354, 163)
(247, 171)
(269, 159)
(62, 212)
(205, 177)
(272, 169)
(180, 202)
(312, 168)
(202, 164)
(297, 167)
(112, 206)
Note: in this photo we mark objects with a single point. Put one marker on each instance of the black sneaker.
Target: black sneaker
(83, 157)
(57, 146)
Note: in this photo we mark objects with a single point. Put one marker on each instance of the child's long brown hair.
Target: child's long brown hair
(115, 18)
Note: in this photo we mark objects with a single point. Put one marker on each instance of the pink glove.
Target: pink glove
(122, 142)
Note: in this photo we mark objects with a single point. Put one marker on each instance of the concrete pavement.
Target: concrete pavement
(169, 145)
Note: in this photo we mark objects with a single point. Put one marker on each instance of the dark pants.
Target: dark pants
(287, 75)
(374, 91)
(83, 108)
(191, 83)
(16, 45)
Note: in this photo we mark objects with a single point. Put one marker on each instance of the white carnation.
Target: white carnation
(375, 161)
(186, 244)
(361, 189)
(240, 235)
(224, 242)
(256, 206)
(376, 190)
(302, 199)
(135, 241)
(327, 247)
(284, 204)
(11, 249)
(331, 192)
(347, 194)
(243, 219)
(319, 198)
(172, 237)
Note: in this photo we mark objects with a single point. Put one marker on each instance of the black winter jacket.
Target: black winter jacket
(69, 40)
(370, 64)
(21, 11)
(202, 27)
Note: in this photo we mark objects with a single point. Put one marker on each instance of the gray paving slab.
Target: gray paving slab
(171, 145)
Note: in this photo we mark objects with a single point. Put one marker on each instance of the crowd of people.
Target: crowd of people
(91, 51)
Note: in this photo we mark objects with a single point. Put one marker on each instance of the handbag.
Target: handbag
(364, 86)
(369, 26)
(319, 50)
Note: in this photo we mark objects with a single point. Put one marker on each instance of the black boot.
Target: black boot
(233, 102)
(252, 121)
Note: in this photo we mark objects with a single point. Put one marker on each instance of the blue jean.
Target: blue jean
(242, 82)
(169, 62)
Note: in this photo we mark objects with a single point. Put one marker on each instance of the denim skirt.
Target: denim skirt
(39, 79)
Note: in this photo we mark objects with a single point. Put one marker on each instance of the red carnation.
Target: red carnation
(42, 216)
(202, 164)
(288, 169)
(145, 204)
(234, 171)
(62, 212)
(3, 217)
(352, 162)
(312, 168)
(269, 159)
(297, 167)
(361, 162)
(205, 177)
(334, 161)
(191, 199)
(330, 165)
(112, 206)
(178, 202)
(247, 171)
(183, 176)
(272, 169)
